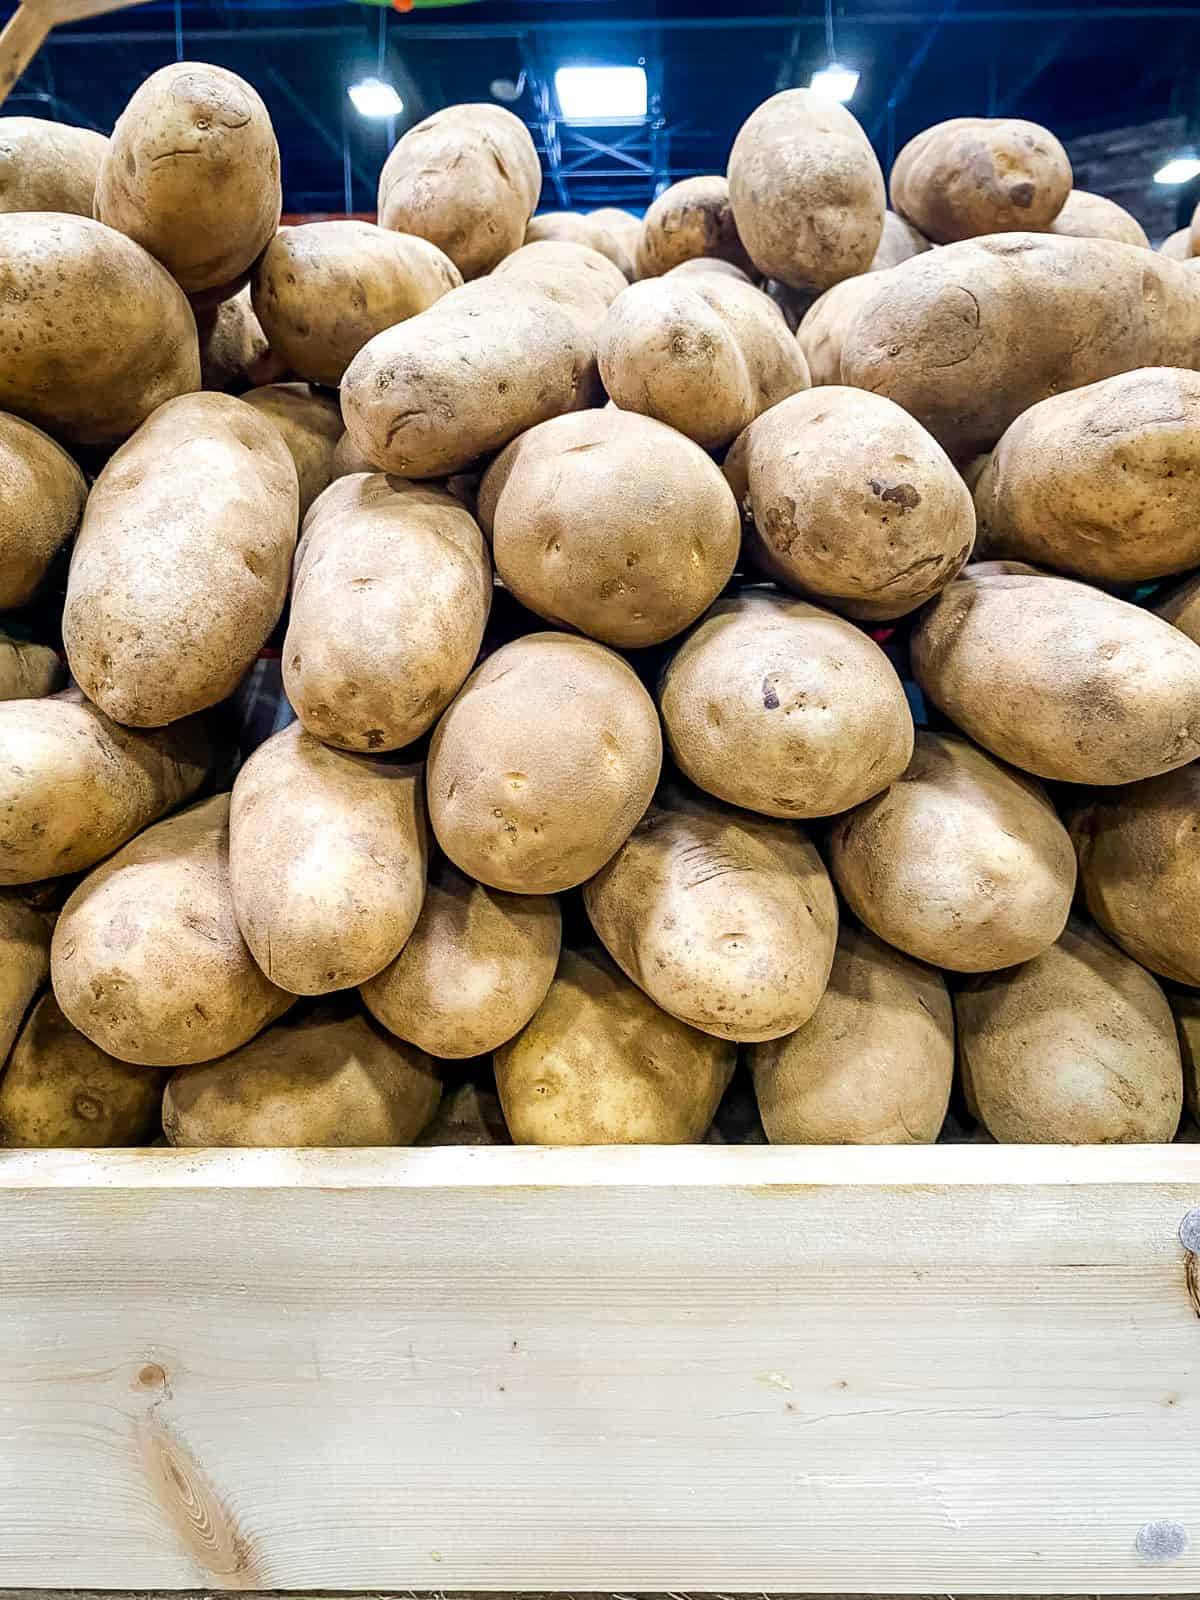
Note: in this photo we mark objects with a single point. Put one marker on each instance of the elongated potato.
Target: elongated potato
(42, 493)
(48, 166)
(600, 1063)
(1094, 216)
(321, 1080)
(467, 179)
(88, 367)
(780, 707)
(899, 242)
(60, 1091)
(976, 175)
(541, 768)
(476, 968)
(577, 278)
(691, 218)
(192, 173)
(311, 425)
(806, 191)
(181, 567)
(24, 963)
(823, 326)
(1059, 679)
(75, 786)
(853, 502)
(28, 671)
(147, 959)
(872, 1065)
(403, 568)
(727, 921)
(1074, 1047)
(962, 863)
(234, 353)
(572, 227)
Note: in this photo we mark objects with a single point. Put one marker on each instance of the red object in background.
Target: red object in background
(290, 219)
(402, 5)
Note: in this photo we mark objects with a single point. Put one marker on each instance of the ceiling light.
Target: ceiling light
(835, 82)
(601, 94)
(375, 98)
(1180, 169)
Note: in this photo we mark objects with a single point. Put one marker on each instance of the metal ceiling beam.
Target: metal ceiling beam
(547, 124)
(303, 109)
(1044, 58)
(904, 82)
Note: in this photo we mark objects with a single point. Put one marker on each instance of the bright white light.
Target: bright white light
(601, 94)
(1178, 170)
(835, 82)
(375, 98)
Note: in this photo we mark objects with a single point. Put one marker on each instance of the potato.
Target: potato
(1186, 1010)
(147, 959)
(323, 1080)
(1103, 482)
(48, 166)
(782, 708)
(1074, 1047)
(962, 862)
(542, 767)
(75, 786)
(60, 1091)
(874, 1063)
(625, 229)
(579, 279)
(28, 671)
(24, 963)
(1178, 245)
(467, 179)
(42, 493)
(967, 338)
(806, 191)
(192, 173)
(404, 570)
(1180, 606)
(852, 501)
(86, 366)
(822, 329)
(347, 460)
(699, 266)
(900, 242)
(1059, 679)
(727, 921)
(234, 353)
(311, 425)
(601, 1064)
(476, 968)
(611, 523)
(690, 219)
(705, 355)
(974, 175)
(468, 1115)
(1092, 216)
(322, 289)
(572, 227)
(1194, 230)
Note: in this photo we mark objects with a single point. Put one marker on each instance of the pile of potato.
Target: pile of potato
(465, 678)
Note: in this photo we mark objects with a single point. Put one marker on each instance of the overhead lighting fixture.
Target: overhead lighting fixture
(1180, 169)
(601, 94)
(835, 82)
(372, 97)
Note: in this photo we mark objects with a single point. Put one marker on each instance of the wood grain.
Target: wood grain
(961, 1369)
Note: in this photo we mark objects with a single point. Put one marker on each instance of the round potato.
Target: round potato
(702, 266)
(467, 179)
(476, 968)
(181, 567)
(542, 767)
(976, 175)
(601, 1064)
(806, 191)
(42, 493)
(1060, 679)
(777, 706)
(234, 353)
(572, 227)
(28, 671)
(692, 218)
(900, 242)
(1074, 1047)
(311, 425)
(579, 279)
(996, 889)
(147, 959)
(1092, 216)
(88, 367)
(872, 1065)
(321, 1081)
(24, 963)
(48, 166)
(727, 921)
(853, 502)
(1178, 245)
(404, 570)
(322, 289)
(192, 173)
(705, 355)
(347, 460)
(823, 326)
(60, 1091)
(611, 523)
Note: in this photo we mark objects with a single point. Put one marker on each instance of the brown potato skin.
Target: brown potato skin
(996, 890)
(347, 460)
(1180, 606)
(1094, 216)
(572, 227)
(28, 671)
(404, 569)
(806, 191)
(853, 502)
(24, 963)
(533, 786)
(758, 710)
(900, 241)
(977, 175)
(1074, 1047)
(60, 1091)
(580, 280)
(1185, 1008)
(467, 179)
(1059, 679)
(209, 217)
(693, 869)
(48, 166)
(93, 375)
(468, 1115)
(822, 329)
(476, 968)
(611, 523)
(42, 493)
(322, 289)
(873, 1064)
(234, 353)
(600, 1063)
(147, 959)
(311, 425)
(690, 219)
(181, 567)
(321, 1081)
(1177, 245)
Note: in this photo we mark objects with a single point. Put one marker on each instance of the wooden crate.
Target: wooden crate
(730, 1369)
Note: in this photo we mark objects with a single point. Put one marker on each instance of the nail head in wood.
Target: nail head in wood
(1189, 1230)
(1161, 1541)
